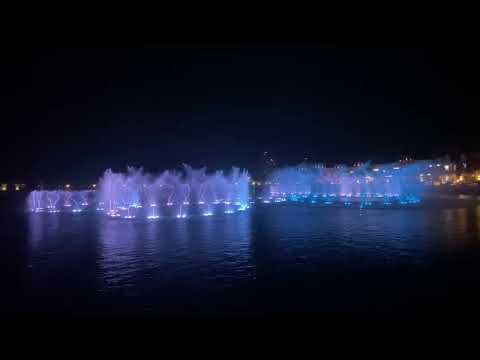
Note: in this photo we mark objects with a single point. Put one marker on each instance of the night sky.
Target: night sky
(70, 113)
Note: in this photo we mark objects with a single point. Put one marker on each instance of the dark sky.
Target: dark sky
(69, 113)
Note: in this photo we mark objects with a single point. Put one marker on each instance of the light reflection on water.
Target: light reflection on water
(461, 226)
(252, 261)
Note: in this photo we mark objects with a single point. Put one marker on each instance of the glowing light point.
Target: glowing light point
(113, 213)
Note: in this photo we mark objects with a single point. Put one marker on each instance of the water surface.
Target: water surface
(272, 259)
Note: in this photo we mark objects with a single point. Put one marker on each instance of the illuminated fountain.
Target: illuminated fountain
(381, 185)
(59, 200)
(174, 194)
(136, 194)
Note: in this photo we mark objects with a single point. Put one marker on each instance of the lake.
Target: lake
(273, 259)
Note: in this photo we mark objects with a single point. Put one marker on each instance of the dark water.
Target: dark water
(274, 259)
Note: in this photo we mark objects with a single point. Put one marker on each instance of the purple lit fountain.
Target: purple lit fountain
(135, 194)
(54, 201)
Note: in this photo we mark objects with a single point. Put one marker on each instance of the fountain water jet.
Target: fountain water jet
(135, 194)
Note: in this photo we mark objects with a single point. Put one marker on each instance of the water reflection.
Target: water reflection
(42, 227)
(61, 263)
(118, 240)
(323, 257)
(191, 251)
(461, 225)
(327, 234)
(35, 228)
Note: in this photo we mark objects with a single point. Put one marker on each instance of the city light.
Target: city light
(4, 187)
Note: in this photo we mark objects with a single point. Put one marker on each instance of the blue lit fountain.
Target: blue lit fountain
(363, 186)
